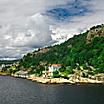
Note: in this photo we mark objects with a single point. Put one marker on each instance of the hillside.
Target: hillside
(86, 49)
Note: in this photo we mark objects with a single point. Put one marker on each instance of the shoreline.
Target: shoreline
(56, 80)
(61, 80)
(64, 81)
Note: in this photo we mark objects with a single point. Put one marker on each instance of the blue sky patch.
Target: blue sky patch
(68, 11)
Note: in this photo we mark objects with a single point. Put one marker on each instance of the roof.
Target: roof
(59, 65)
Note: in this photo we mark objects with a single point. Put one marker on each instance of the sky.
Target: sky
(27, 25)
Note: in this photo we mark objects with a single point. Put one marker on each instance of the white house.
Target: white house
(54, 67)
(51, 69)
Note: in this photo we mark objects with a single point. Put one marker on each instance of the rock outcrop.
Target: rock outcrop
(95, 32)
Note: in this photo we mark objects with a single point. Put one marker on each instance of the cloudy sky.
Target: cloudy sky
(26, 25)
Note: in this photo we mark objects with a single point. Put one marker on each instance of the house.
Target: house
(54, 67)
(51, 69)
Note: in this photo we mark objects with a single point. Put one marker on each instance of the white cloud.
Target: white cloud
(81, 23)
(17, 11)
(24, 25)
(19, 40)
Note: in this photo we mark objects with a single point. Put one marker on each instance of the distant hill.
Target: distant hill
(7, 62)
(86, 48)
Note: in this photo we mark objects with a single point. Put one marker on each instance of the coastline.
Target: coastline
(57, 80)
(61, 80)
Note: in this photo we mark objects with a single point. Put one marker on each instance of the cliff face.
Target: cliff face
(97, 31)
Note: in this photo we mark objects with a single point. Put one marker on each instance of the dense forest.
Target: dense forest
(86, 49)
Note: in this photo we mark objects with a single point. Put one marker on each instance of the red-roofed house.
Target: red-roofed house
(54, 67)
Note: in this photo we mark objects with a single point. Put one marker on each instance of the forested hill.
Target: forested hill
(85, 48)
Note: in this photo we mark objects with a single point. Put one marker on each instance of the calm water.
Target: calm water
(21, 91)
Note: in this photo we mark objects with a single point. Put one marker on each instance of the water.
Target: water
(21, 91)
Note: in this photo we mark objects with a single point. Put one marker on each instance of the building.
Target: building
(51, 69)
(54, 67)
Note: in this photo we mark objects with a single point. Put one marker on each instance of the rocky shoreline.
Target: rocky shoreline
(61, 80)
(57, 80)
